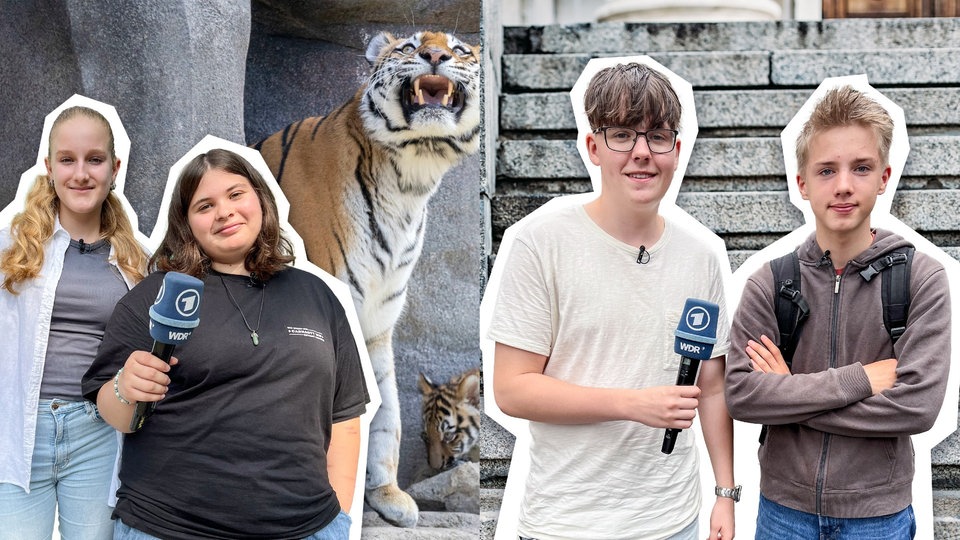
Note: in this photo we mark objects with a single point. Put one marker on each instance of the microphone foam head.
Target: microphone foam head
(176, 311)
(697, 332)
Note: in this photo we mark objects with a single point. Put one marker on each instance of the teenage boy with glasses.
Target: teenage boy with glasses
(584, 330)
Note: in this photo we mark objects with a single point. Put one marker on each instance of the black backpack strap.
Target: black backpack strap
(791, 308)
(895, 288)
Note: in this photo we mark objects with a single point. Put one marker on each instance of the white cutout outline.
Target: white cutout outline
(340, 289)
(520, 460)
(121, 143)
(746, 466)
(121, 148)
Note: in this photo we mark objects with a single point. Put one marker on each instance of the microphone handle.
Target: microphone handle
(144, 409)
(687, 376)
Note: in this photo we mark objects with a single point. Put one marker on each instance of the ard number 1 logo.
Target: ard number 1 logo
(187, 302)
(697, 318)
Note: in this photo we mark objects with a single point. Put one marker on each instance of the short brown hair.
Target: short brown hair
(631, 94)
(179, 250)
(841, 107)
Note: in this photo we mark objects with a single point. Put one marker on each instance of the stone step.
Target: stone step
(754, 68)
(891, 66)
(732, 213)
(946, 475)
(431, 526)
(930, 155)
(496, 447)
(489, 509)
(763, 212)
(560, 71)
(490, 499)
(946, 512)
(552, 111)
(614, 38)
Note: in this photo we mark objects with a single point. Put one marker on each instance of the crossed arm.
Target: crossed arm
(888, 397)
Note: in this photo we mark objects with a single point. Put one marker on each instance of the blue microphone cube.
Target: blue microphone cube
(176, 311)
(697, 332)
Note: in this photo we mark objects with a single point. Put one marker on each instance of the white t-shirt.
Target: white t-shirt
(575, 294)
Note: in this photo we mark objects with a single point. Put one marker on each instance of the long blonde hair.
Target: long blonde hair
(32, 228)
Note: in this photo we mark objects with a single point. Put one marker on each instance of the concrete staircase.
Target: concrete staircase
(749, 80)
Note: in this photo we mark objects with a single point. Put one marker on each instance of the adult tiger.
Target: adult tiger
(358, 182)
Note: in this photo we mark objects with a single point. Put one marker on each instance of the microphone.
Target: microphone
(173, 316)
(695, 336)
(644, 256)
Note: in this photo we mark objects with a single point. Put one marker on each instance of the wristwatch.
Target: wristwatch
(730, 493)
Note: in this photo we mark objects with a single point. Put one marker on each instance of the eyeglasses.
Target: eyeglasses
(621, 139)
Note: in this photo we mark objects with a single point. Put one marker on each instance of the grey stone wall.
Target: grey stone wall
(749, 80)
(177, 70)
(173, 70)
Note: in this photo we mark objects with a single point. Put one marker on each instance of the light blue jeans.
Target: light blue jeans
(690, 532)
(72, 468)
(777, 522)
(338, 529)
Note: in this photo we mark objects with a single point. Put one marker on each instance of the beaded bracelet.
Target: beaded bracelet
(116, 387)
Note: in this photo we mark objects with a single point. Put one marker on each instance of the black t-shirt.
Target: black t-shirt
(237, 448)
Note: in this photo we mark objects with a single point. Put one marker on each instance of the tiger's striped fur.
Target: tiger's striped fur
(451, 418)
(358, 182)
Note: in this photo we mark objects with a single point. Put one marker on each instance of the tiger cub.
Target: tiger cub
(358, 182)
(451, 419)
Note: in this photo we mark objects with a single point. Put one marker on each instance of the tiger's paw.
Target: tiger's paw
(393, 505)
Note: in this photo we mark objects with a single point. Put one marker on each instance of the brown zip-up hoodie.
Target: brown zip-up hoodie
(832, 447)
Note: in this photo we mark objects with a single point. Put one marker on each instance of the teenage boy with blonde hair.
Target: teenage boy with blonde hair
(836, 461)
(584, 329)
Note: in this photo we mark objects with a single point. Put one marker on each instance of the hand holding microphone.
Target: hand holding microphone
(695, 336)
(173, 316)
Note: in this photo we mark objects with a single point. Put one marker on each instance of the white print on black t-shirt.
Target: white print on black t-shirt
(307, 332)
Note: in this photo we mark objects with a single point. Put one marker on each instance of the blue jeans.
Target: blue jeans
(777, 522)
(73, 458)
(690, 532)
(338, 529)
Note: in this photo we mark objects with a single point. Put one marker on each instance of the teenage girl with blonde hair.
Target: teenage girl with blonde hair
(66, 260)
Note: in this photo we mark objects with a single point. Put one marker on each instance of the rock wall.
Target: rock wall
(178, 70)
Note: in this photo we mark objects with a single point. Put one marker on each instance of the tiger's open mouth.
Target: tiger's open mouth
(431, 91)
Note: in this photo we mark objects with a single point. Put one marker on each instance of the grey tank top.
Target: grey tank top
(87, 292)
